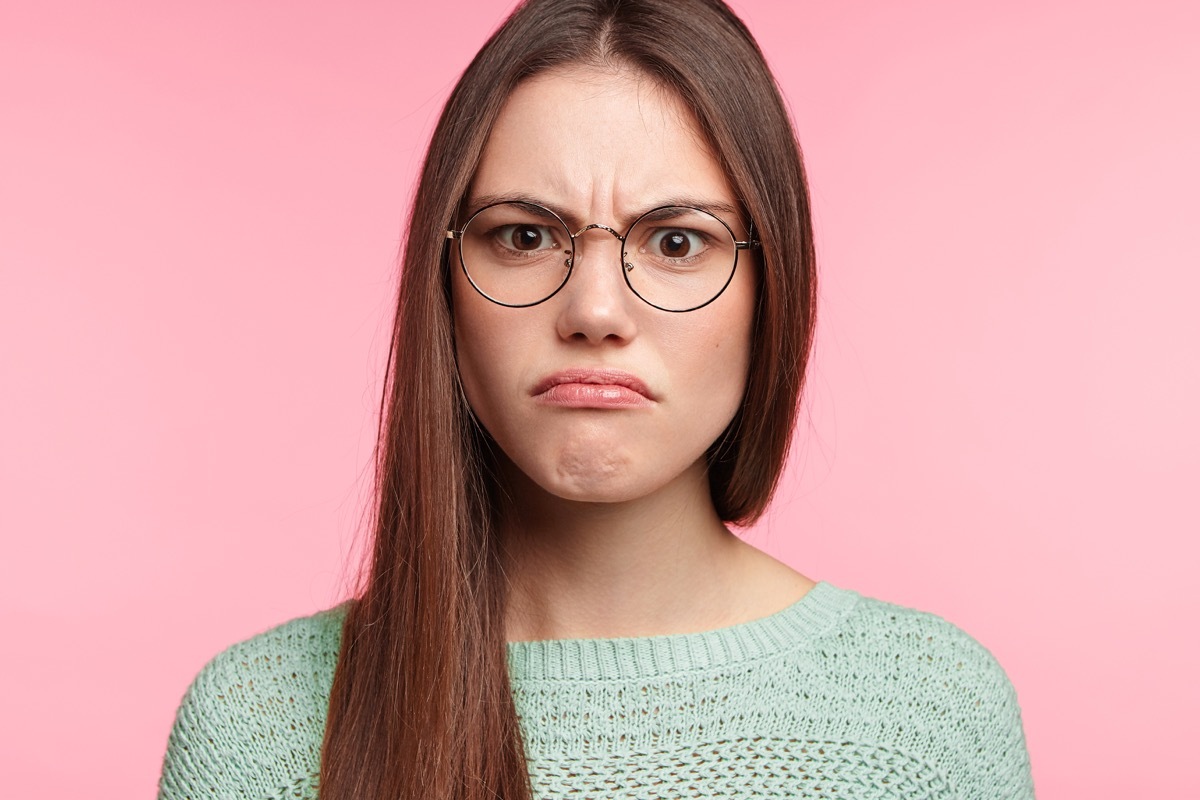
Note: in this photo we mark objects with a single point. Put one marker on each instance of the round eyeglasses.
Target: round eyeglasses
(675, 258)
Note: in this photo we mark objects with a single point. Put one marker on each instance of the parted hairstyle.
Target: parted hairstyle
(421, 705)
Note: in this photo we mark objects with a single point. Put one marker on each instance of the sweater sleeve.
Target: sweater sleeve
(251, 724)
(991, 757)
(940, 696)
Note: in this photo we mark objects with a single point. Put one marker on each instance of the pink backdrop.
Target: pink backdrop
(200, 204)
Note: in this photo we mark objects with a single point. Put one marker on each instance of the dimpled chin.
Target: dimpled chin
(578, 468)
(592, 476)
(604, 470)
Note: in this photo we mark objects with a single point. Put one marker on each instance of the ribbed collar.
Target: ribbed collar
(649, 656)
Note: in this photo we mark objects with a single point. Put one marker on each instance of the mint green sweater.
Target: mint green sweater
(838, 696)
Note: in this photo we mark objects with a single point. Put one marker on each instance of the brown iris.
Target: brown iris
(674, 245)
(526, 238)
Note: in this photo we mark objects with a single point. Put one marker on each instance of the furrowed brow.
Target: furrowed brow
(536, 206)
(531, 203)
(732, 215)
(714, 207)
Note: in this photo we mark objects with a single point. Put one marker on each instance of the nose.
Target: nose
(598, 305)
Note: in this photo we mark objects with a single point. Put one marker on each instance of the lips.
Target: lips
(593, 388)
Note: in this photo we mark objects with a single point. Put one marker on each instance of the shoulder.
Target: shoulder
(252, 722)
(921, 655)
(920, 643)
(926, 686)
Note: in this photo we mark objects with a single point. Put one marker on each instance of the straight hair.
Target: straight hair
(421, 704)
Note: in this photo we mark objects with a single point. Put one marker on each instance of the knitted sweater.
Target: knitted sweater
(838, 696)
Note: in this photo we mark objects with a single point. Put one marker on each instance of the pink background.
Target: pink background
(200, 205)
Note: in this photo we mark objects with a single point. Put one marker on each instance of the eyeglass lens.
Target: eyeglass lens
(675, 258)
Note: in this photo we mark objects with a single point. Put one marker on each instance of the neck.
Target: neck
(659, 564)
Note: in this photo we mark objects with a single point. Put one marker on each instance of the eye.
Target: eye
(525, 237)
(674, 243)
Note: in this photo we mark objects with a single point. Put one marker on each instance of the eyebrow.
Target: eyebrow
(536, 206)
(714, 207)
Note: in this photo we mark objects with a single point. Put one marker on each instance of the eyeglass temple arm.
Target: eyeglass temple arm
(750, 240)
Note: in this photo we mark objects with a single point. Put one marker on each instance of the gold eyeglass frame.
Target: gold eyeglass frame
(626, 267)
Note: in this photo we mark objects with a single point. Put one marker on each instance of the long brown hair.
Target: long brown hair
(421, 705)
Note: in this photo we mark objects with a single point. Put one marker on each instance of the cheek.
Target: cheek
(490, 351)
(719, 345)
(475, 343)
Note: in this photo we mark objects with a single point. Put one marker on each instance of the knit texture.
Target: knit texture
(838, 696)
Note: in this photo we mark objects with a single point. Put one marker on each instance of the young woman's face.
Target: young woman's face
(594, 394)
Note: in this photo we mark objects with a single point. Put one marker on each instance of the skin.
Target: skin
(611, 529)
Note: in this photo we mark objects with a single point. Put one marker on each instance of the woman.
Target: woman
(605, 311)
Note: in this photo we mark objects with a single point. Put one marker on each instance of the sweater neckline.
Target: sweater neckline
(655, 656)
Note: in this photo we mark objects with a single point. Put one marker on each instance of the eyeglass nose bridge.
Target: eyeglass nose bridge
(570, 261)
(587, 228)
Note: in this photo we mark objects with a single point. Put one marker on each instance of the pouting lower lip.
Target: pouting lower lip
(594, 377)
(593, 395)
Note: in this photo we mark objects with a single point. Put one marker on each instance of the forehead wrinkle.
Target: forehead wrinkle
(601, 173)
(674, 117)
(590, 191)
(732, 214)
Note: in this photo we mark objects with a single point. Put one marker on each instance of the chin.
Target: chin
(591, 466)
(594, 491)
(593, 477)
(603, 477)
